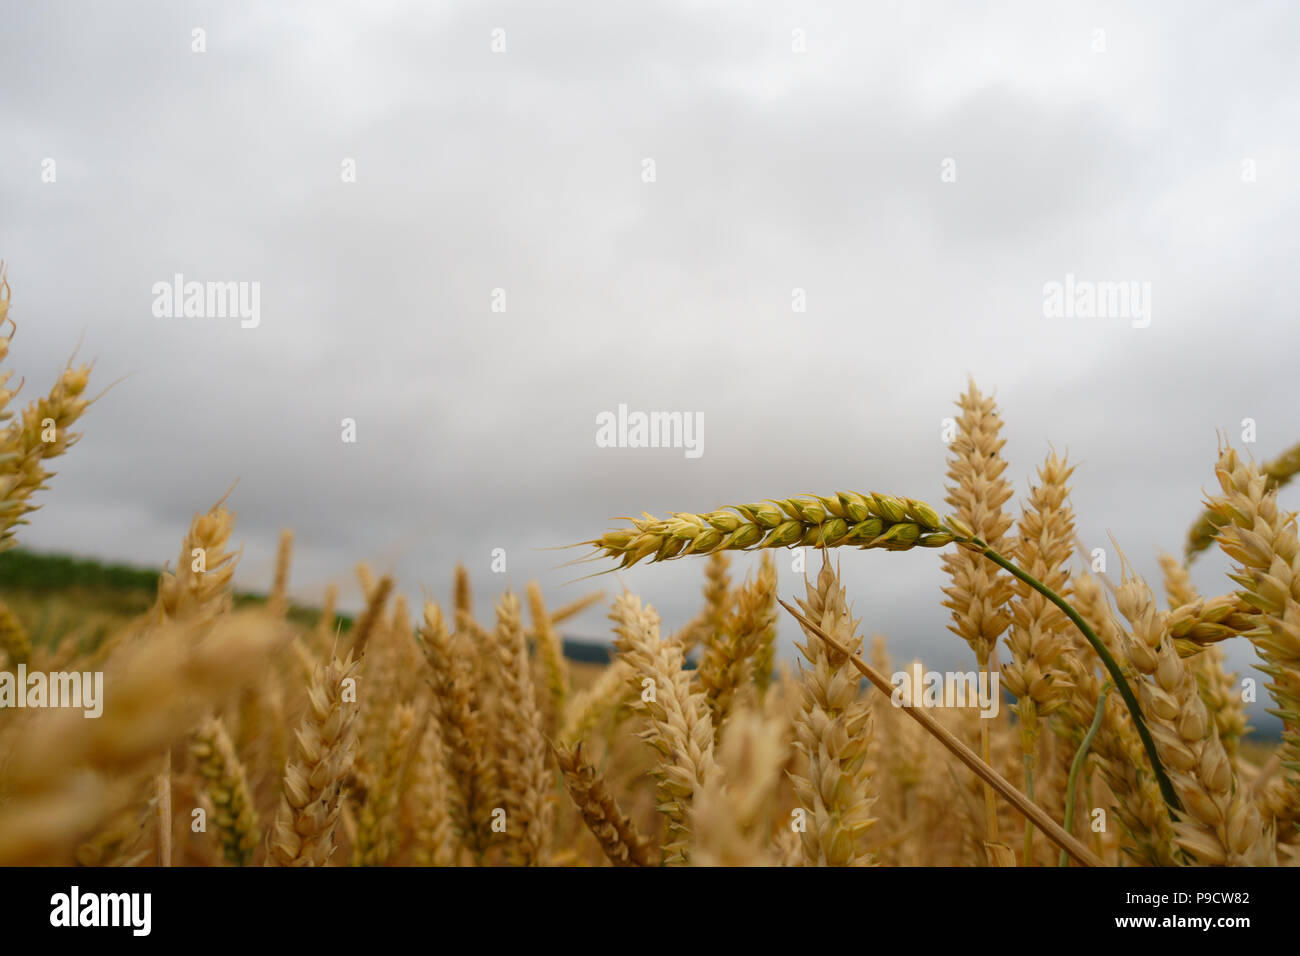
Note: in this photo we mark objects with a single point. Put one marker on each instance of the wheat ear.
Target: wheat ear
(278, 603)
(1262, 540)
(617, 835)
(587, 707)
(451, 677)
(680, 728)
(226, 784)
(732, 814)
(1144, 817)
(1039, 636)
(42, 432)
(832, 728)
(731, 657)
(1277, 473)
(1220, 825)
(550, 651)
(978, 594)
(374, 844)
(312, 797)
(14, 643)
(435, 838)
(526, 781)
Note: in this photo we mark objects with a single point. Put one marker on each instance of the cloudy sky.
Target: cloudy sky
(920, 171)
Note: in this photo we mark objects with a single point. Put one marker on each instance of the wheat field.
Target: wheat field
(461, 735)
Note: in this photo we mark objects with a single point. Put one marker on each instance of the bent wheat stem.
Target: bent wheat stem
(1080, 756)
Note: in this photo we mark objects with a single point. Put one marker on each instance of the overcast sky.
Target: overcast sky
(1120, 155)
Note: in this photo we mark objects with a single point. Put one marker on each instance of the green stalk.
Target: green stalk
(1112, 668)
(1029, 824)
(1079, 757)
